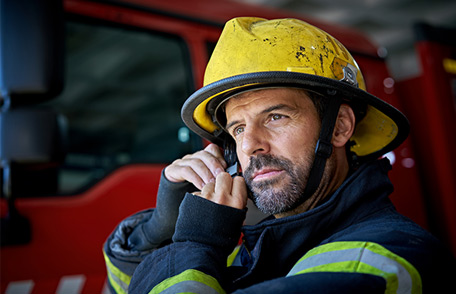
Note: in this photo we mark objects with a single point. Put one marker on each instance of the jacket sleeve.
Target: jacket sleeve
(206, 233)
(142, 233)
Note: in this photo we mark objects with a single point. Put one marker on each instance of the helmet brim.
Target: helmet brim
(382, 129)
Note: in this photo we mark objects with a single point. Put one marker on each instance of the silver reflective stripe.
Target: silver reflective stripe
(391, 266)
(117, 281)
(362, 255)
(190, 287)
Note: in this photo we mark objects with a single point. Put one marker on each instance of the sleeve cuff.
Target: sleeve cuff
(204, 221)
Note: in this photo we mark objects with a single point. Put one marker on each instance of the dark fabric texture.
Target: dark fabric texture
(359, 210)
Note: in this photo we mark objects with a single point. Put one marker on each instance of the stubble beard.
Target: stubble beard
(272, 196)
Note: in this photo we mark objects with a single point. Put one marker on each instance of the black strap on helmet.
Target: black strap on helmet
(323, 149)
(230, 155)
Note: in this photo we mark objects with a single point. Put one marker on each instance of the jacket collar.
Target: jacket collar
(283, 241)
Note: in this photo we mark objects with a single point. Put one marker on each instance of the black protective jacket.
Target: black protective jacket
(355, 242)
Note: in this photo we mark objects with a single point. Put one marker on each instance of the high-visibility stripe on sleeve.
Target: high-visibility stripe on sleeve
(189, 281)
(118, 279)
(362, 257)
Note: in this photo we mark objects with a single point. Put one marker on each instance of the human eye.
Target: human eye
(238, 130)
(276, 116)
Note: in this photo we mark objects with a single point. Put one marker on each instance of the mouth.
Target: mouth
(266, 174)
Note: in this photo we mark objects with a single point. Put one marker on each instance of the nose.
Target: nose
(254, 141)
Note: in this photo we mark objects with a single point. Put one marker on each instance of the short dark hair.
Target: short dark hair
(358, 108)
(318, 103)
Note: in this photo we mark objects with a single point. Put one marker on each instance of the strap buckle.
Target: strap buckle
(323, 149)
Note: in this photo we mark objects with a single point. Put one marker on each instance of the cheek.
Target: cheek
(296, 144)
(288, 147)
(242, 158)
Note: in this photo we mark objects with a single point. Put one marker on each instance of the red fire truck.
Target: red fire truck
(91, 93)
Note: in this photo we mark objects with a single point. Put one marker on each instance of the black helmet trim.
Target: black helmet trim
(226, 88)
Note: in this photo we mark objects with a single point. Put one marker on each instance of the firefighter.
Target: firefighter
(288, 104)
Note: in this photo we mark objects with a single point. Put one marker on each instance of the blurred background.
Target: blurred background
(389, 23)
(91, 94)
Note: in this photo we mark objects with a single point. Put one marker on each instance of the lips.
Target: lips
(265, 167)
(266, 173)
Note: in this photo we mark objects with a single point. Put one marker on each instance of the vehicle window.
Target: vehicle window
(122, 98)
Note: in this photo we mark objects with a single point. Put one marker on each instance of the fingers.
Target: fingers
(199, 168)
(226, 191)
(239, 190)
(217, 153)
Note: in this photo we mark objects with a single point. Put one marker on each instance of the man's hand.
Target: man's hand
(205, 170)
(227, 191)
(199, 168)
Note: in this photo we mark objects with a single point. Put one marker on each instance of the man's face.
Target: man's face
(276, 131)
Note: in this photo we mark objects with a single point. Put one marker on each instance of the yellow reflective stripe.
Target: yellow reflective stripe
(232, 256)
(118, 279)
(362, 257)
(189, 281)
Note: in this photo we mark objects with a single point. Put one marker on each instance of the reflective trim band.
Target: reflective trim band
(232, 256)
(189, 281)
(362, 257)
(118, 279)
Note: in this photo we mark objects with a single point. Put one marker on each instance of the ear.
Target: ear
(344, 127)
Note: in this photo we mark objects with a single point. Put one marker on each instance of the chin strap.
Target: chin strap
(323, 149)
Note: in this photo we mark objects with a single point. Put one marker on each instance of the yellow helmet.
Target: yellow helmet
(257, 53)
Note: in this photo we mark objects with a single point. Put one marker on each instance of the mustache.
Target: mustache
(266, 160)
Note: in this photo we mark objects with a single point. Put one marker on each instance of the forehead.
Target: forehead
(264, 98)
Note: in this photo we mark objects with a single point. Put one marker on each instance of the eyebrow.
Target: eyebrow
(267, 110)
